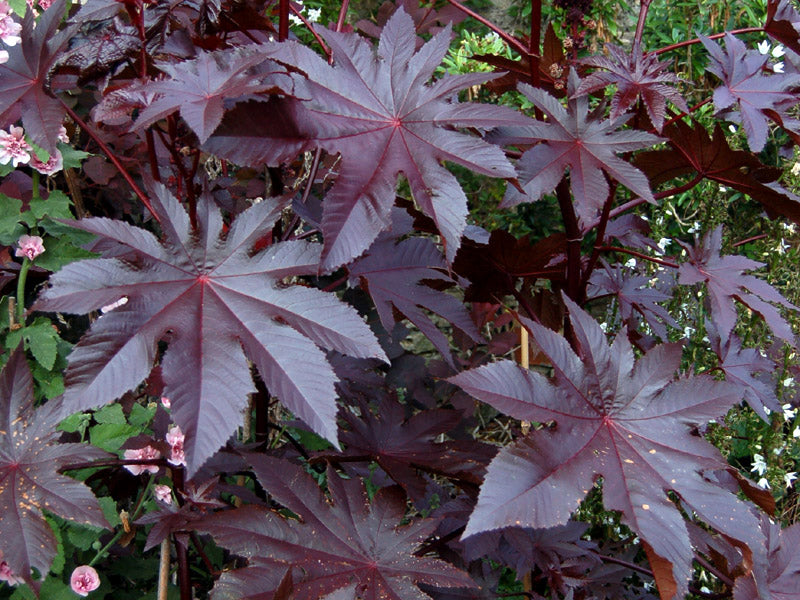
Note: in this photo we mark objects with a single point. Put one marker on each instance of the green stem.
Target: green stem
(23, 275)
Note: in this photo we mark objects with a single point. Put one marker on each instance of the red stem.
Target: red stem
(283, 20)
(715, 36)
(643, 8)
(114, 160)
(510, 39)
(598, 242)
(313, 32)
(750, 239)
(342, 15)
(658, 196)
(665, 263)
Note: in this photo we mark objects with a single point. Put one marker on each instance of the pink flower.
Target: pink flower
(163, 493)
(62, 135)
(13, 147)
(53, 164)
(146, 453)
(9, 28)
(29, 246)
(175, 439)
(7, 575)
(83, 580)
(45, 4)
(166, 402)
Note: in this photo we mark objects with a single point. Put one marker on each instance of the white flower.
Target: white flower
(604, 327)
(796, 169)
(763, 483)
(723, 189)
(778, 51)
(314, 14)
(796, 432)
(630, 263)
(778, 67)
(663, 243)
(688, 331)
(789, 478)
(732, 128)
(782, 247)
(788, 382)
(763, 46)
(295, 20)
(759, 465)
(789, 413)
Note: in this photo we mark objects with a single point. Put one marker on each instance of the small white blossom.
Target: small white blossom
(778, 51)
(789, 413)
(663, 243)
(688, 331)
(314, 14)
(723, 189)
(759, 465)
(630, 263)
(788, 382)
(763, 483)
(796, 432)
(796, 169)
(732, 128)
(763, 46)
(778, 67)
(604, 327)
(782, 246)
(789, 478)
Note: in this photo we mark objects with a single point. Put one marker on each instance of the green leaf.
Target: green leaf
(82, 537)
(110, 511)
(60, 252)
(56, 206)
(42, 339)
(110, 414)
(141, 415)
(52, 589)
(49, 383)
(58, 562)
(10, 227)
(111, 436)
(76, 423)
(72, 157)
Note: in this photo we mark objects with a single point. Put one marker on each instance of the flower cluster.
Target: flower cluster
(146, 453)
(175, 439)
(9, 30)
(13, 147)
(83, 580)
(163, 493)
(6, 574)
(29, 246)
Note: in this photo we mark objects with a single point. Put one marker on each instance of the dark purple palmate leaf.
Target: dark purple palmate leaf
(635, 296)
(726, 281)
(636, 75)
(348, 547)
(202, 87)
(30, 483)
(573, 138)
(742, 366)
(396, 273)
(25, 76)
(625, 420)
(403, 446)
(783, 574)
(783, 23)
(694, 151)
(216, 305)
(745, 85)
(377, 110)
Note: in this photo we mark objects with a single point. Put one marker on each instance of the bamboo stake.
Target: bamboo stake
(524, 361)
(163, 570)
